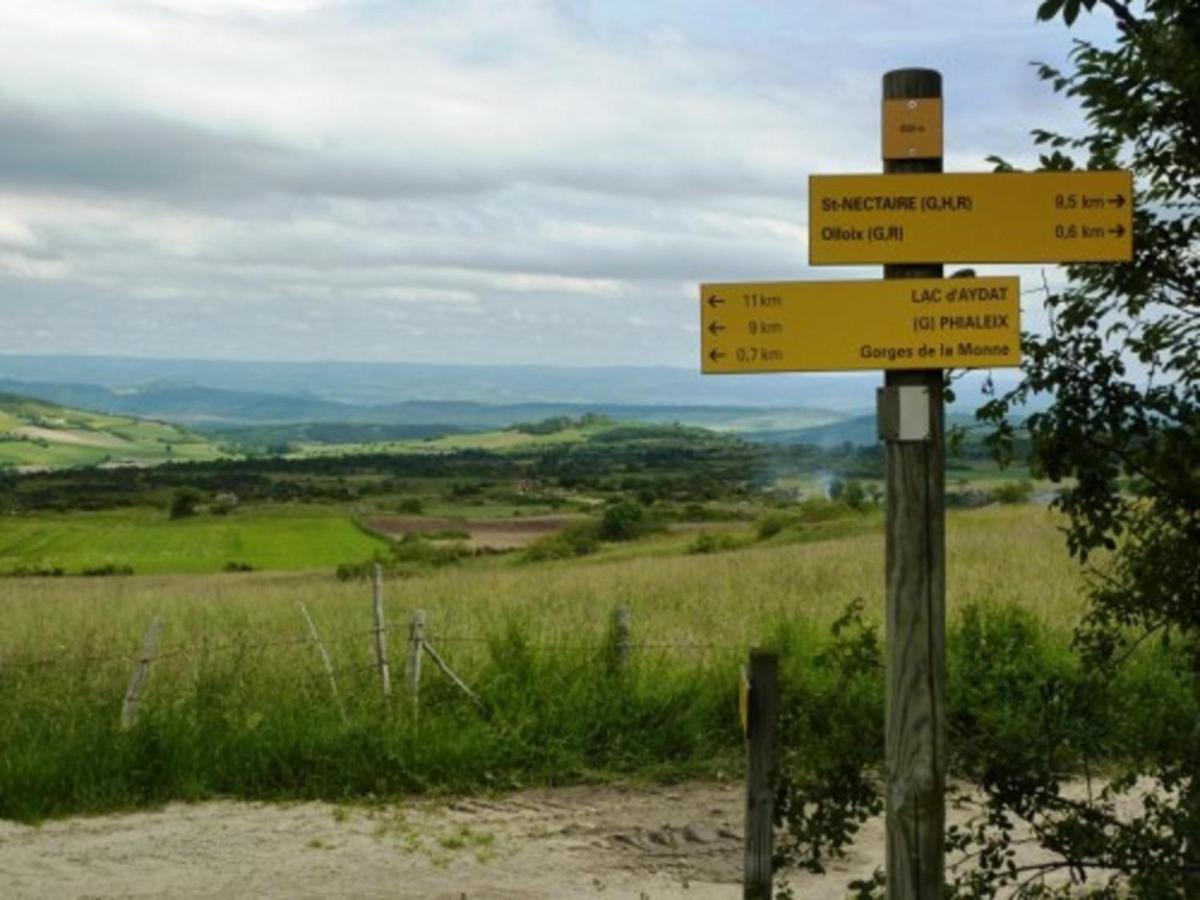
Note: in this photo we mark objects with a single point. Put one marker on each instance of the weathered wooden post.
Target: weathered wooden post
(416, 642)
(381, 658)
(911, 422)
(141, 670)
(761, 720)
(622, 637)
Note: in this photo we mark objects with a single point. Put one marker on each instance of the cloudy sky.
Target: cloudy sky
(493, 182)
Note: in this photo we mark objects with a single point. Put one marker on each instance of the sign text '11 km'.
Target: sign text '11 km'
(913, 323)
(1002, 217)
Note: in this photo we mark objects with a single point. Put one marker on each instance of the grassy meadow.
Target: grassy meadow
(145, 540)
(238, 702)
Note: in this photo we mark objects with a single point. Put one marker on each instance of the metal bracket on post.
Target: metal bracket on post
(903, 413)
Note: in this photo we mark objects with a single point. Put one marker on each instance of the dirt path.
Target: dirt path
(565, 844)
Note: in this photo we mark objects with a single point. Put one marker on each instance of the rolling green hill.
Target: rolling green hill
(37, 434)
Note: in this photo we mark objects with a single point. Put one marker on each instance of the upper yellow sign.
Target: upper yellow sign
(1006, 217)
(824, 326)
(912, 129)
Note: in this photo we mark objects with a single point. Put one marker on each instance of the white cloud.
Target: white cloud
(533, 177)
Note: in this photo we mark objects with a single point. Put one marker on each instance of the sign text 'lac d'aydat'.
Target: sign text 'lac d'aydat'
(912, 323)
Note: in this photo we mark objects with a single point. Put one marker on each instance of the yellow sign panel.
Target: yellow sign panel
(1005, 217)
(823, 326)
(912, 129)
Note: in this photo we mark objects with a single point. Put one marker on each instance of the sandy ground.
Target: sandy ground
(643, 844)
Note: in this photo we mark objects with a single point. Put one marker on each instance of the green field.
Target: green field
(146, 540)
(35, 434)
(494, 441)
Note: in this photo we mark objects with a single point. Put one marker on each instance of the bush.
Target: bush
(626, 520)
(714, 542)
(411, 505)
(107, 569)
(770, 525)
(183, 504)
(574, 540)
(1012, 492)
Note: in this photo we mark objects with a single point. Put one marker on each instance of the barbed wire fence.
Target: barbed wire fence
(617, 646)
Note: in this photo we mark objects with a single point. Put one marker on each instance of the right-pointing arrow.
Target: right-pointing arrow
(1119, 231)
(1117, 200)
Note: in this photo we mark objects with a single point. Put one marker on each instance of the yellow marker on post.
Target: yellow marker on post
(912, 128)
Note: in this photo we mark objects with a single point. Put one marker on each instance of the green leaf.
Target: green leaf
(1072, 12)
(1049, 9)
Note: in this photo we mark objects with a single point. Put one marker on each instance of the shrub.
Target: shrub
(770, 525)
(714, 542)
(107, 569)
(183, 504)
(1012, 492)
(574, 540)
(626, 520)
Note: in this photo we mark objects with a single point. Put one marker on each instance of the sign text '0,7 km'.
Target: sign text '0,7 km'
(1004, 217)
(815, 326)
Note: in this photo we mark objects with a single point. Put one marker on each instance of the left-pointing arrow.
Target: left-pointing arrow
(715, 328)
(714, 301)
(717, 355)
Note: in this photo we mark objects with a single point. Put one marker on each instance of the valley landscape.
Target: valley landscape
(518, 543)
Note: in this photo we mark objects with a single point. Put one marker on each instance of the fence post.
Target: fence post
(416, 640)
(312, 630)
(385, 675)
(622, 637)
(763, 709)
(133, 693)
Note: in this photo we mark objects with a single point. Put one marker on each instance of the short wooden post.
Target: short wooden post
(622, 637)
(416, 641)
(312, 630)
(763, 710)
(141, 670)
(385, 675)
(915, 743)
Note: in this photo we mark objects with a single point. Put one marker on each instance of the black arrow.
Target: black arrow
(714, 328)
(717, 355)
(714, 301)
(1119, 231)
(1117, 200)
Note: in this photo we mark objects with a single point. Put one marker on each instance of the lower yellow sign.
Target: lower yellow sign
(903, 323)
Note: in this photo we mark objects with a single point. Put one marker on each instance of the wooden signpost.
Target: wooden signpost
(913, 324)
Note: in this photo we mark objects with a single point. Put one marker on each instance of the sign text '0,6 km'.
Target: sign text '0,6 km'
(1004, 217)
(823, 326)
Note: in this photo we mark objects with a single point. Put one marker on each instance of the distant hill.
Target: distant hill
(388, 383)
(217, 409)
(38, 434)
(858, 430)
